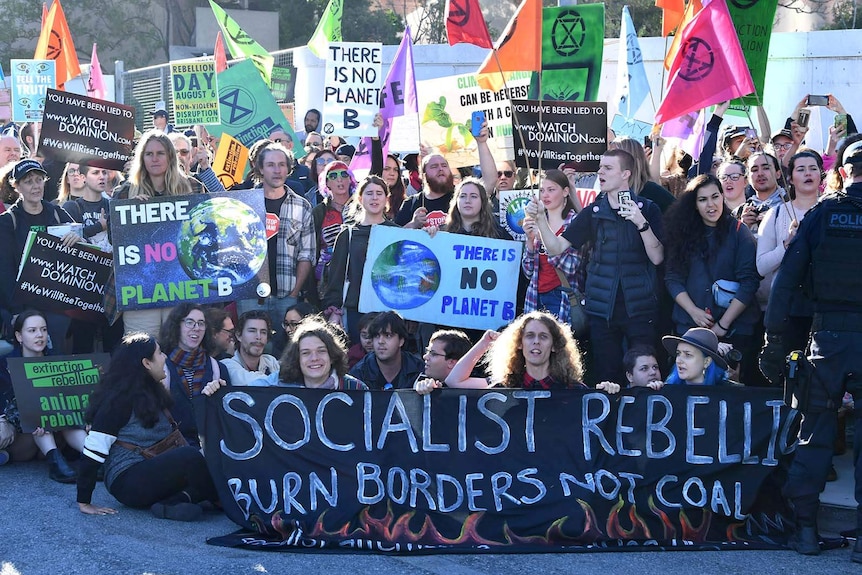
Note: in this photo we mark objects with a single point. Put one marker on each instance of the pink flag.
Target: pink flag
(220, 57)
(397, 98)
(96, 84)
(709, 67)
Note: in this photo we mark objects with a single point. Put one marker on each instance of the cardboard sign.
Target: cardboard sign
(202, 248)
(283, 84)
(512, 214)
(59, 278)
(81, 129)
(31, 79)
(351, 97)
(53, 392)
(450, 279)
(230, 161)
(561, 133)
(445, 109)
(194, 85)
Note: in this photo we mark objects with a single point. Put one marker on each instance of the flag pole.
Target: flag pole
(515, 121)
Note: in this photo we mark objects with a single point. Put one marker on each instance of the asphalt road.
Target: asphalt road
(42, 532)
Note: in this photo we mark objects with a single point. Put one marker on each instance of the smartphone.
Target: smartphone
(751, 133)
(817, 100)
(194, 141)
(647, 142)
(802, 119)
(476, 121)
(841, 121)
(625, 197)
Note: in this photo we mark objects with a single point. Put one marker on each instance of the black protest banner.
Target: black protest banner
(54, 392)
(79, 129)
(561, 133)
(62, 278)
(500, 470)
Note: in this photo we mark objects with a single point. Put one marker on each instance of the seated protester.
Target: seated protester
(292, 317)
(31, 336)
(316, 357)
(445, 349)
(220, 325)
(388, 366)
(535, 351)
(185, 339)
(249, 362)
(365, 345)
(641, 367)
(698, 361)
(129, 410)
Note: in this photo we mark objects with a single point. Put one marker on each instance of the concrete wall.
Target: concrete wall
(826, 62)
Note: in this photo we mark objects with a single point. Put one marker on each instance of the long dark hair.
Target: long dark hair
(685, 232)
(397, 193)
(486, 227)
(332, 338)
(128, 380)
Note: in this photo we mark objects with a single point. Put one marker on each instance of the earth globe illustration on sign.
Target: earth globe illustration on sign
(515, 214)
(405, 275)
(223, 237)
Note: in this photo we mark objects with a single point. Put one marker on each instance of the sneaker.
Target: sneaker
(4, 457)
(177, 511)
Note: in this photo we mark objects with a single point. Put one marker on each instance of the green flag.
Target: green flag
(328, 29)
(753, 23)
(572, 44)
(241, 44)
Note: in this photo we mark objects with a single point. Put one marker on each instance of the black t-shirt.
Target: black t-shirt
(273, 207)
(413, 203)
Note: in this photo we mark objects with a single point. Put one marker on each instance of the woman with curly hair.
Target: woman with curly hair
(128, 410)
(316, 357)
(155, 172)
(189, 368)
(535, 351)
(708, 251)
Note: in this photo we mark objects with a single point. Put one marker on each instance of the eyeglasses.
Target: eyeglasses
(434, 353)
(731, 177)
(507, 173)
(290, 324)
(786, 146)
(222, 330)
(192, 324)
(73, 172)
(335, 174)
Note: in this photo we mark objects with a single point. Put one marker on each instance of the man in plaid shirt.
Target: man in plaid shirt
(291, 253)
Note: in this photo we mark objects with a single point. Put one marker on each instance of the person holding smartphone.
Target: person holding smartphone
(626, 234)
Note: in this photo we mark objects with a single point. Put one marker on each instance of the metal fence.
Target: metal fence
(143, 88)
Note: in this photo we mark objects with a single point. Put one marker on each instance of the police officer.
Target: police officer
(826, 246)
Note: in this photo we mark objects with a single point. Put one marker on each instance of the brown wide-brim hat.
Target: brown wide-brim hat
(703, 339)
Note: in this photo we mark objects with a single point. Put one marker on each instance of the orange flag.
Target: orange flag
(519, 48)
(220, 57)
(671, 14)
(693, 7)
(55, 43)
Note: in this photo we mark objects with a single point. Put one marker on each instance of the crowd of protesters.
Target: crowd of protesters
(671, 265)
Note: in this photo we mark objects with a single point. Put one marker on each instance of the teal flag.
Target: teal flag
(753, 22)
(572, 43)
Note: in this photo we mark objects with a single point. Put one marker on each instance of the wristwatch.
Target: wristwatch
(644, 228)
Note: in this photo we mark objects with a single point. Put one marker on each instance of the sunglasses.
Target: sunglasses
(335, 174)
(506, 173)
